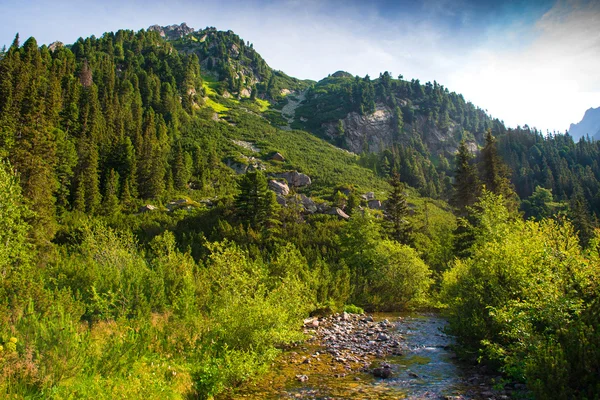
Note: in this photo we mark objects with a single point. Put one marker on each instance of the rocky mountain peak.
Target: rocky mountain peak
(589, 125)
(172, 31)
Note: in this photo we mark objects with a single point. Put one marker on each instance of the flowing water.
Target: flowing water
(427, 369)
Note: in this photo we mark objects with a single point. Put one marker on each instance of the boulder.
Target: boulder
(281, 200)
(337, 211)
(295, 178)
(384, 372)
(374, 204)
(147, 208)
(368, 196)
(277, 157)
(280, 188)
(308, 204)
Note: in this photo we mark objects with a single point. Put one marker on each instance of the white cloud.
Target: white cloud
(549, 83)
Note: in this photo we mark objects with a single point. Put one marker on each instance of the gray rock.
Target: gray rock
(308, 204)
(147, 208)
(301, 378)
(338, 212)
(281, 200)
(384, 372)
(374, 204)
(280, 188)
(277, 157)
(368, 196)
(295, 178)
(382, 337)
(172, 31)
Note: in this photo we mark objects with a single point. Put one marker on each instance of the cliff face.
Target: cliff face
(375, 132)
(372, 132)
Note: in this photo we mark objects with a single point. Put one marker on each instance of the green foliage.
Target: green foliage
(385, 274)
(524, 299)
(352, 309)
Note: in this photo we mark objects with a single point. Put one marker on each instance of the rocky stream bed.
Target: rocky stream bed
(384, 356)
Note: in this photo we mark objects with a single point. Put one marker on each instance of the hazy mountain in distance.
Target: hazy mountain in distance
(589, 125)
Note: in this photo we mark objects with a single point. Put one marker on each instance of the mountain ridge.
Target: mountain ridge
(589, 125)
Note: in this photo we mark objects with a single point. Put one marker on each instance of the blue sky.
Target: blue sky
(526, 62)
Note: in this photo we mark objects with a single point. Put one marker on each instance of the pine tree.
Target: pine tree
(495, 175)
(466, 183)
(396, 211)
(110, 203)
(579, 214)
(254, 205)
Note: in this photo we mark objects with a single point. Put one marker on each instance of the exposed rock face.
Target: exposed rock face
(55, 45)
(295, 178)
(278, 187)
(172, 31)
(373, 131)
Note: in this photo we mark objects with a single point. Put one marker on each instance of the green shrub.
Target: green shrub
(352, 309)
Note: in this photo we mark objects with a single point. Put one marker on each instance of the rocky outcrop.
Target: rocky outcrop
(368, 196)
(294, 178)
(278, 157)
(172, 32)
(246, 164)
(309, 205)
(373, 131)
(280, 188)
(55, 46)
(246, 145)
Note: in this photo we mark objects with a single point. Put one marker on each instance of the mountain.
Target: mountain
(172, 208)
(589, 125)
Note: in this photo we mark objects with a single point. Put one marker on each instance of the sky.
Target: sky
(524, 61)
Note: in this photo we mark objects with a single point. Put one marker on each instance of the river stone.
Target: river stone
(384, 372)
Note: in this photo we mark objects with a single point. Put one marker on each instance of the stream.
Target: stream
(418, 364)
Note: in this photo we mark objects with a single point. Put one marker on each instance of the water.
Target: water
(427, 369)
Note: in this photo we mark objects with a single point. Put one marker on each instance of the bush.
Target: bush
(527, 299)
